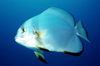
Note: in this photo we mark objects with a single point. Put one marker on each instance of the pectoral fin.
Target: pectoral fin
(40, 56)
(41, 33)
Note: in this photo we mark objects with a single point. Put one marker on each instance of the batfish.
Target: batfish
(53, 30)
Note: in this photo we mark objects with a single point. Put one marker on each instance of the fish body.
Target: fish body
(52, 30)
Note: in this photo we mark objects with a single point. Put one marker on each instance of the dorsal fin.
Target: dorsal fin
(65, 15)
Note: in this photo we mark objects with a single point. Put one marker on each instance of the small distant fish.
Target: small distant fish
(53, 30)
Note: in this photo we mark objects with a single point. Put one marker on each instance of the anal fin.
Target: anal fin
(40, 56)
(74, 54)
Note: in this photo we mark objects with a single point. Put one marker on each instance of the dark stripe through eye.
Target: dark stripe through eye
(23, 30)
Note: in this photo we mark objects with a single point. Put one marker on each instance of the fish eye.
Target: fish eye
(23, 30)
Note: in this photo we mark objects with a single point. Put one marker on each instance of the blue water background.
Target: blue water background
(14, 12)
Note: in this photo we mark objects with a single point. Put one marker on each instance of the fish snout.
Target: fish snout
(15, 38)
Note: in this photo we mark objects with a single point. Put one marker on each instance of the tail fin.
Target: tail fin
(81, 31)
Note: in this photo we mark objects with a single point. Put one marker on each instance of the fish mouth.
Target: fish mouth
(20, 40)
(26, 42)
(15, 39)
